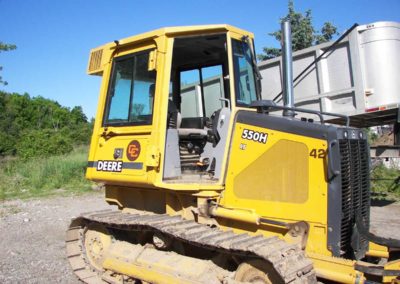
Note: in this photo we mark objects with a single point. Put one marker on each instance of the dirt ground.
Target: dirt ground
(32, 235)
(32, 238)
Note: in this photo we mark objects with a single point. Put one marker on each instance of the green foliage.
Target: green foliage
(372, 137)
(39, 127)
(303, 33)
(36, 177)
(5, 47)
(43, 143)
(385, 180)
(328, 31)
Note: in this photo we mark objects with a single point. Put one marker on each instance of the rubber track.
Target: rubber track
(287, 259)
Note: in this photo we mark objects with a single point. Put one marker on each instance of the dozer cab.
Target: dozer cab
(214, 185)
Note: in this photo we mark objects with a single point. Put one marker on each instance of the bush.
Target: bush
(7, 144)
(385, 180)
(43, 143)
(79, 134)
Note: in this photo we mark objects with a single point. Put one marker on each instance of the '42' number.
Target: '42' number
(318, 153)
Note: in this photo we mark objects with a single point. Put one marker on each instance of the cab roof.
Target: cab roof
(99, 56)
(181, 31)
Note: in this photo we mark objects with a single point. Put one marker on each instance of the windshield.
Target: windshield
(245, 84)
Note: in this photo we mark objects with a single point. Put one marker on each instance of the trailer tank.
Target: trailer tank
(358, 77)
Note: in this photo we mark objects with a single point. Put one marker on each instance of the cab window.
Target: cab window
(201, 90)
(245, 87)
(131, 93)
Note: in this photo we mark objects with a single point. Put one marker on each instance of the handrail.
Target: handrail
(315, 112)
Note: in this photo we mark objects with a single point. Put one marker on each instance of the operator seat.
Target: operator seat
(185, 132)
(175, 121)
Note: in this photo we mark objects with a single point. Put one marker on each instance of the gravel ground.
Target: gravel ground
(32, 235)
(385, 219)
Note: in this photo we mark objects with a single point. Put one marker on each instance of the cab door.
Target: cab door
(120, 145)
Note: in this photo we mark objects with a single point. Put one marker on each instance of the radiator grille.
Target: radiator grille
(95, 60)
(355, 192)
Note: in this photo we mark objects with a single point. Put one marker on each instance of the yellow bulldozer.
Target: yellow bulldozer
(213, 184)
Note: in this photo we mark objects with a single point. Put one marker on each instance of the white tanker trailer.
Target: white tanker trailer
(357, 76)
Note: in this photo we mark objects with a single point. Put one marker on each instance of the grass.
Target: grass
(38, 177)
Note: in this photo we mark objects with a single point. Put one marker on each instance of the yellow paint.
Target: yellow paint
(141, 272)
(286, 163)
(156, 266)
(392, 265)
(236, 214)
(152, 136)
(336, 269)
(377, 250)
(310, 204)
(277, 180)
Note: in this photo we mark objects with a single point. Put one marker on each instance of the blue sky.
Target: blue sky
(54, 37)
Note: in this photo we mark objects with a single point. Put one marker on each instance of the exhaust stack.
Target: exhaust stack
(286, 43)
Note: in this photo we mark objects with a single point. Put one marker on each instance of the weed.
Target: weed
(38, 177)
(9, 210)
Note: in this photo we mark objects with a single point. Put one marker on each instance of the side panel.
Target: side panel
(120, 159)
(279, 174)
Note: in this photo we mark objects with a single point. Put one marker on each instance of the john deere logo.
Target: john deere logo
(133, 150)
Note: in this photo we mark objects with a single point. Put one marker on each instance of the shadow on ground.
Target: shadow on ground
(380, 199)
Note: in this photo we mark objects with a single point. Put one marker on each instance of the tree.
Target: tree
(303, 33)
(328, 31)
(5, 47)
(35, 126)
